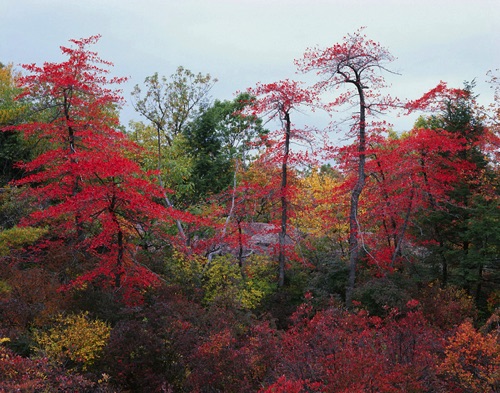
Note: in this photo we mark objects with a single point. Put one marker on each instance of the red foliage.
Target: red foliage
(436, 98)
(18, 374)
(337, 351)
(404, 176)
(447, 308)
(277, 98)
(231, 362)
(356, 60)
(87, 188)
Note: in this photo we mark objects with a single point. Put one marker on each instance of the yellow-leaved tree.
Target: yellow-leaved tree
(74, 340)
(323, 207)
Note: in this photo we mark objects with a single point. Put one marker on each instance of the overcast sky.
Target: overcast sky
(241, 42)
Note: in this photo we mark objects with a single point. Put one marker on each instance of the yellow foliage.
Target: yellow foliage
(221, 279)
(5, 288)
(18, 237)
(322, 211)
(9, 110)
(7, 115)
(8, 77)
(224, 279)
(185, 270)
(74, 338)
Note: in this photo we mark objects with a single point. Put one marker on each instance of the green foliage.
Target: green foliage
(431, 122)
(14, 147)
(13, 206)
(171, 103)
(212, 168)
(218, 137)
(19, 237)
(175, 164)
(5, 289)
(224, 280)
(380, 295)
(196, 157)
(185, 271)
(260, 274)
(328, 274)
(177, 170)
(74, 338)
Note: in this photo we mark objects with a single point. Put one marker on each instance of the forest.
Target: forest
(223, 246)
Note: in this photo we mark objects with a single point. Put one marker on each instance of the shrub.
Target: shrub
(74, 339)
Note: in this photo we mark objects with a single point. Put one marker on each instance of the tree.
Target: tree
(466, 225)
(472, 360)
(13, 147)
(217, 141)
(407, 176)
(357, 61)
(277, 101)
(88, 191)
(170, 106)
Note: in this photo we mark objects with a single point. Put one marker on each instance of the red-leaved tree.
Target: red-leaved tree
(87, 189)
(277, 101)
(356, 62)
(407, 175)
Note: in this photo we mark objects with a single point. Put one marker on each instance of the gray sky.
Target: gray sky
(242, 42)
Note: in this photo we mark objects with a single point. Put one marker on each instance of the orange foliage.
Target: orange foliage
(472, 360)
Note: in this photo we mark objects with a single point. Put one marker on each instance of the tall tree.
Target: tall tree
(407, 176)
(170, 104)
(466, 225)
(357, 61)
(277, 101)
(88, 191)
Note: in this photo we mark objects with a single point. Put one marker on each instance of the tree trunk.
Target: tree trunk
(72, 152)
(284, 204)
(437, 231)
(400, 236)
(119, 259)
(167, 200)
(355, 194)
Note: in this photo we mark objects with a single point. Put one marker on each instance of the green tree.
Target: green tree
(467, 226)
(12, 146)
(171, 103)
(217, 140)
